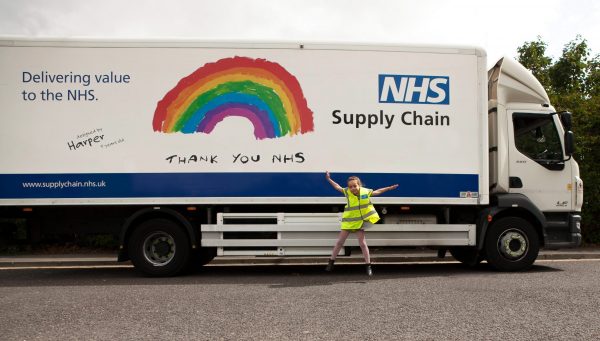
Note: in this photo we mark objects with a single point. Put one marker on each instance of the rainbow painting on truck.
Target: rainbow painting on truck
(259, 90)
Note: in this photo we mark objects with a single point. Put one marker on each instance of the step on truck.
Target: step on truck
(192, 150)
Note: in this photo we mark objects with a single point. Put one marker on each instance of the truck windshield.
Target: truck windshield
(536, 137)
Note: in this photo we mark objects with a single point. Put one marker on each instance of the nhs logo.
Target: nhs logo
(414, 89)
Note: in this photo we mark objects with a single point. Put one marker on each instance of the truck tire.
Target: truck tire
(511, 244)
(159, 247)
(203, 256)
(469, 256)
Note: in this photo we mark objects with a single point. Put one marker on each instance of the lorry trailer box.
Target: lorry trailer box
(246, 123)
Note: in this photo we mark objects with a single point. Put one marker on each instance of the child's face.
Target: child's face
(354, 187)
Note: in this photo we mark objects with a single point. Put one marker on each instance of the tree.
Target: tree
(573, 84)
(568, 74)
(532, 55)
(592, 82)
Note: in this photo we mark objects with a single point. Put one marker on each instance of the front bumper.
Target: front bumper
(563, 234)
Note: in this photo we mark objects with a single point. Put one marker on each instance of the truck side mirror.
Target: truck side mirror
(569, 143)
(565, 118)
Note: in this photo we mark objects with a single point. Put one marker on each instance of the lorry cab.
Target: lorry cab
(531, 149)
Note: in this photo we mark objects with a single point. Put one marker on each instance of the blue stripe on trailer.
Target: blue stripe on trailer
(187, 185)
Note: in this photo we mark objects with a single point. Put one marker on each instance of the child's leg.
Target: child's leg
(360, 234)
(340, 242)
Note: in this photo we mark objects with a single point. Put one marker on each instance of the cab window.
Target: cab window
(536, 137)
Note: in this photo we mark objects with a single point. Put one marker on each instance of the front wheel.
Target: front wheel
(511, 244)
(159, 247)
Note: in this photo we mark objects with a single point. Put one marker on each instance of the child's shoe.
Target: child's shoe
(329, 267)
(369, 270)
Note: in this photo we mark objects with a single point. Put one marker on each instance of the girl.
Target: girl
(358, 213)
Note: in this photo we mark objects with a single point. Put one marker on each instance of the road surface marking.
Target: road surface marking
(58, 267)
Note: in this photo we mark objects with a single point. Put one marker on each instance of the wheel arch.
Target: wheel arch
(149, 213)
(510, 205)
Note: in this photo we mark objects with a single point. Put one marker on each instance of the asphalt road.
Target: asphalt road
(555, 300)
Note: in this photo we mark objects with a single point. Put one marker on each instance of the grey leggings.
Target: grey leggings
(360, 234)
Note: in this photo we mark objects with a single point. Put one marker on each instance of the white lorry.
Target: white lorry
(193, 150)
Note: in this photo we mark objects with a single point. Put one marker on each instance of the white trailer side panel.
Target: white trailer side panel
(132, 123)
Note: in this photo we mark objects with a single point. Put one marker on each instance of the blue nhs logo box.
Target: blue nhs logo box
(414, 89)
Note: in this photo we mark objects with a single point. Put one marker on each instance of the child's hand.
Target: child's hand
(327, 175)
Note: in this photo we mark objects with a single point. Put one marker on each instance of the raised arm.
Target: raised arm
(383, 190)
(333, 183)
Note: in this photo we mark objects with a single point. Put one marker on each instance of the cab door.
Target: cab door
(537, 166)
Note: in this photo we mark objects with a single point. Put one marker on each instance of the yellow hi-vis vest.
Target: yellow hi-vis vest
(358, 209)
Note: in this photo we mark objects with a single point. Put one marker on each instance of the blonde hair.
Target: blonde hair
(354, 178)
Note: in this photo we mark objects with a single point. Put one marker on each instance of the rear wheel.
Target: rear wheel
(159, 247)
(512, 244)
(203, 256)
